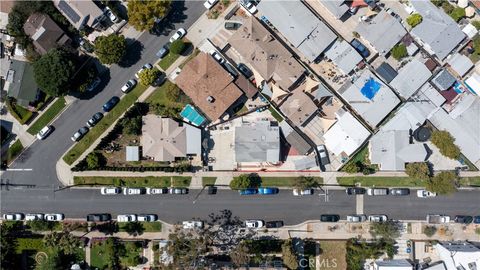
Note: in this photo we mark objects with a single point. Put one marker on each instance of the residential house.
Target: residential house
(344, 56)
(259, 142)
(45, 33)
(270, 60)
(460, 64)
(20, 83)
(438, 32)
(473, 83)
(81, 14)
(382, 32)
(399, 264)
(299, 108)
(303, 29)
(165, 139)
(5, 8)
(459, 255)
(209, 85)
(337, 8)
(443, 80)
(294, 139)
(386, 72)
(410, 78)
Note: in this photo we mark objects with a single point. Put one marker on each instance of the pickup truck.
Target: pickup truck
(438, 219)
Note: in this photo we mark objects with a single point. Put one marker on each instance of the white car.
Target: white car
(110, 190)
(155, 191)
(129, 85)
(54, 217)
(356, 218)
(44, 132)
(127, 218)
(377, 218)
(133, 191)
(438, 219)
(217, 57)
(178, 35)
(146, 66)
(298, 192)
(250, 7)
(147, 217)
(13, 216)
(422, 193)
(209, 3)
(111, 16)
(192, 224)
(255, 224)
(34, 217)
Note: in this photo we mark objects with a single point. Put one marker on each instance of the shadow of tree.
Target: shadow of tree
(176, 15)
(133, 53)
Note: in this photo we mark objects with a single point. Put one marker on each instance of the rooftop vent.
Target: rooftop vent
(210, 99)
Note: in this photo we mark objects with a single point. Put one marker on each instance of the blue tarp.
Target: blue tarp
(370, 89)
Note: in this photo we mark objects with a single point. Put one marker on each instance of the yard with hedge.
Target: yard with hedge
(15, 149)
(47, 116)
(148, 181)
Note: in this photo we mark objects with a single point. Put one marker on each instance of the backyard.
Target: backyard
(128, 253)
(47, 116)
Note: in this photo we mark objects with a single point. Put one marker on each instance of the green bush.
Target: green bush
(445, 143)
(245, 181)
(476, 24)
(418, 170)
(429, 230)
(399, 51)
(447, 7)
(15, 149)
(457, 14)
(177, 46)
(31, 243)
(414, 19)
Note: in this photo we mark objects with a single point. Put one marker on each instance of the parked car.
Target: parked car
(377, 191)
(95, 119)
(254, 224)
(210, 3)
(77, 136)
(127, 218)
(245, 70)
(211, 190)
(44, 132)
(111, 16)
(178, 35)
(160, 79)
(217, 57)
(267, 190)
(110, 190)
(377, 218)
(437, 218)
(98, 217)
(361, 49)
(356, 218)
(193, 224)
(163, 51)
(355, 191)
(274, 224)
(144, 67)
(329, 218)
(36, 216)
(133, 191)
(248, 191)
(422, 193)
(128, 86)
(299, 192)
(155, 191)
(147, 217)
(54, 217)
(231, 70)
(110, 104)
(232, 25)
(322, 151)
(249, 6)
(178, 190)
(476, 219)
(463, 219)
(13, 216)
(94, 84)
(400, 191)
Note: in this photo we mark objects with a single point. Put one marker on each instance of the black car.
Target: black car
(400, 191)
(159, 80)
(95, 119)
(98, 217)
(463, 219)
(232, 25)
(361, 49)
(110, 104)
(329, 218)
(476, 219)
(163, 51)
(245, 70)
(274, 224)
(211, 190)
(355, 191)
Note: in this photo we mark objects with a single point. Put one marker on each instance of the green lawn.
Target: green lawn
(470, 181)
(275, 114)
(181, 181)
(47, 116)
(367, 181)
(159, 96)
(103, 125)
(98, 253)
(21, 114)
(147, 226)
(209, 181)
(148, 181)
(168, 60)
(97, 259)
(14, 150)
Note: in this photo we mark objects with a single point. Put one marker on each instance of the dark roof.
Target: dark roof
(430, 64)
(68, 11)
(444, 80)
(386, 72)
(246, 86)
(449, 94)
(294, 138)
(22, 86)
(44, 32)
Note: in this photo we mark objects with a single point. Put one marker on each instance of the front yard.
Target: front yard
(368, 181)
(47, 116)
(148, 181)
(332, 252)
(12, 152)
(283, 181)
(126, 253)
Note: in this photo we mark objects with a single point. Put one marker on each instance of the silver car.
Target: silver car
(356, 218)
(377, 218)
(133, 191)
(147, 217)
(13, 216)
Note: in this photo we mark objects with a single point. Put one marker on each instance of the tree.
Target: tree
(447, 7)
(457, 14)
(288, 255)
(476, 23)
(143, 14)
(8, 244)
(244, 181)
(240, 255)
(110, 49)
(53, 72)
(304, 182)
(429, 230)
(164, 110)
(186, 247)
(148, 76)
(177, 46)
(418, 170)
(132, 126)
(53, 261)
(93, 161)
(443, 183)
(386, 230)
(414, 19)
(399, 51)
(445, 143)
(113, 251)
(64, 241)
(134, 228)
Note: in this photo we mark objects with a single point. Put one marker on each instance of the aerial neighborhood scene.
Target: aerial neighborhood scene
(240, 134)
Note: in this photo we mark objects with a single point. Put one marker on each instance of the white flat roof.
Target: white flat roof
(410, 78)
(346, 135)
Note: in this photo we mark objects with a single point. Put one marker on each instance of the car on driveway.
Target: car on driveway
(108, 106)
(98, 217)
(355, 191)
(178, 190)
(155, 191)
(133, 191)
(360, 48)
(110, 190)
(163, 51)
(463, 219)
(400, 191)
(377, 191)
(245, 70)
(267, 190)
(192, 224)
(54, 217)
(274, 224)
(301, 192)
(180, 33)
(128, 86)
(248, 191)
(147, 218)
(127, 218)
(209, 3)
(322, 151)
(254, 223)
(422, 193)
(111, 16)
(95, 119)
(356, 218)
(44, 132)
(232, 25)
(77, 136)
(146, 66)
(13, 216)
(377, 218)
(217, 57)
(329, 218)
(36, 216)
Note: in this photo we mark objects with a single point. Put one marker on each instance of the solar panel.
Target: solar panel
(67, 10)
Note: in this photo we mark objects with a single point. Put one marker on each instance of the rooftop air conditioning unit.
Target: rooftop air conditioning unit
(210, 99)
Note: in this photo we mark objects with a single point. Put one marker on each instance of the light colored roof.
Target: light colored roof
(267, 55)
(80, 12)
(346, 135)
(459, 254)
(372, 110)
(299, 107)
(438, 30)
(382, 32)
(410, 78)
(257, 143)
(470, 30)
(299, 25)
(460, 63)
(337, 7)
(473, 83)
(394, 265)
(164, 139)
(305, 162)
(344, 56)
(132, 153)
(203, 77)
(432, 94)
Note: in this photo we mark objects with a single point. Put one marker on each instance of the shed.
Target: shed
(133, 153)
(386, 72)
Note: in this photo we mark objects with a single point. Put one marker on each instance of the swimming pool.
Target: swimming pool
(192, 115)
(370, 88)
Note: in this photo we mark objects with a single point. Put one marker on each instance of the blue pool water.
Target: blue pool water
(192, 115)
(370, 88)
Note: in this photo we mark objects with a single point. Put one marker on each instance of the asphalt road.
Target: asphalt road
(77, 203)
(42, 156)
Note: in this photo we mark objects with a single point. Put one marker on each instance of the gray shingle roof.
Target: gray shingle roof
(344, 56)
(443, 80)
(257, 143)
(411, 77)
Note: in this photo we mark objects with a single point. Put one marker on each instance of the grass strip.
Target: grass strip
(168, 60)
(181, 181)
(209, 181)
(14, 150)
(148, 181)
(368, 181)
(47, 116)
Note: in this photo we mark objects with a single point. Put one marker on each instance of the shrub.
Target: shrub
(148, 76)
(414, 19)
(418, 170)
(429, 230)
(245, 181)
(177, 46)
(476, 24)
(457, 14)
(447, 7)
(399, 51)
(443, 183)
(351, 167)
(445, 143)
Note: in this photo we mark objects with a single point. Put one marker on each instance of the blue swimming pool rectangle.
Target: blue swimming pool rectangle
(192, 115)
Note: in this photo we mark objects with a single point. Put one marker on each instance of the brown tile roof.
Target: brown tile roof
(44, 32)
(6, 6)
(299, 107)
(203, 77)
(266, 54)
(246, 86)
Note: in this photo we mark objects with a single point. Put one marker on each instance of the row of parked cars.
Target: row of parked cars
(142, 191)
(422, 193)
(30, 217)
(462, 219)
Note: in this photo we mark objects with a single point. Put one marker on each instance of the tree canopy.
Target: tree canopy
(110, 49)
(177, 46)
(288, 255)
(244, 181)
(445, 143)
(414, 19)
(143, 14)
(53, 72)
(418, 170)
(148, 76)
(304, 182)
(399, 51)
(443, 183)
(386, 230)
